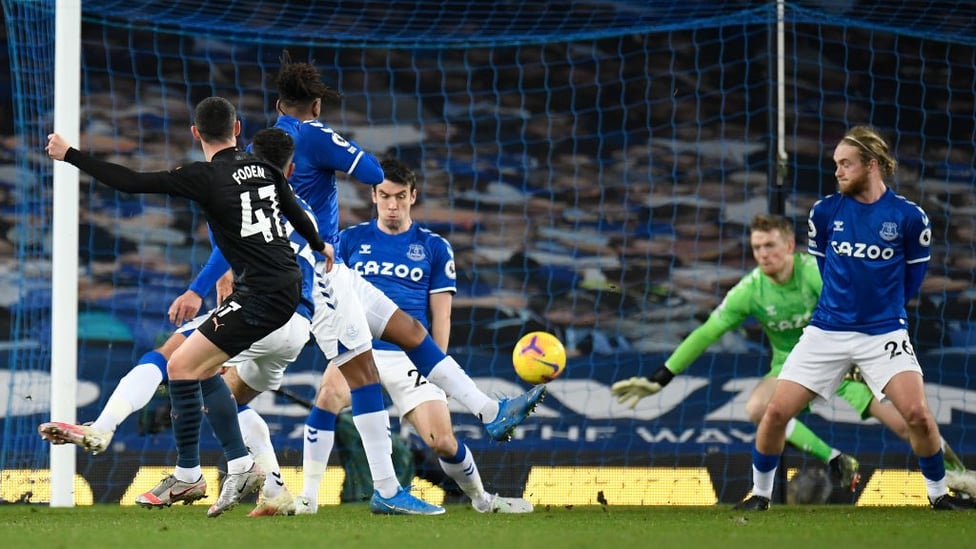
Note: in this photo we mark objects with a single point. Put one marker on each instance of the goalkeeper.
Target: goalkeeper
(781, 294)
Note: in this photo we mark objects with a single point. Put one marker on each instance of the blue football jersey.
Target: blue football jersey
(406, 267)
(864, 250)
(320, 152)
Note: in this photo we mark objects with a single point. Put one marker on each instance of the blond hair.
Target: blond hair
(768, 223)
(872, 146)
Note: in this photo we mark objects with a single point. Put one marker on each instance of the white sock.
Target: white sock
(449, 376)
(257, 438)
(315, 458)
(240, 465)
(133, 392)
(762, 483)
(374, 429)
(467, 477)
(191, 474)
(935, 488)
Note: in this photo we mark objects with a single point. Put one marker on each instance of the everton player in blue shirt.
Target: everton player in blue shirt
(872, 247)
(320, 152)
(414, 268)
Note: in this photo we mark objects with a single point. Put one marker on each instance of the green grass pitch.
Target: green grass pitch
(182, 527)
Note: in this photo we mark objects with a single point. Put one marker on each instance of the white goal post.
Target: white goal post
(64, 247)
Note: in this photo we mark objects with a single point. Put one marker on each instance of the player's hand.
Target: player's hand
(185, 307)
(57, 147)
(329, 252)
(225, 286)
(630, 391)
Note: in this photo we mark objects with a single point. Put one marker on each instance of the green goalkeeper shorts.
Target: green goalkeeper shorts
(858, 395)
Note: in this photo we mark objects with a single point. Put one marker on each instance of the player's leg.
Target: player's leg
(132, 393)
(243, 319)
(787, 401)
(424, 405)
(905, 390)
(797, 434)
(331, 397)
(432, 421)
(391, 324)
(863, 401)
(958, 478)
(339, 323)
(373, 423)
(258, 369)
(815, 367)
(275, 498)
(898, 376)
(196, 358)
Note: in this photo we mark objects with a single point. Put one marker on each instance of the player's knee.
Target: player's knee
(332, 398)
(177, 369)
(917, 417)
(445, 445)
(776, 414)
(404, 331)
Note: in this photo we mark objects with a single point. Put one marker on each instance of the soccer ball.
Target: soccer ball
(809, 486)
(539, 357)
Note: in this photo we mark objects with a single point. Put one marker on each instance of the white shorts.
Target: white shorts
(348, 310)
(339, 315)
(821, 359)
(407, 388)
(262, 365)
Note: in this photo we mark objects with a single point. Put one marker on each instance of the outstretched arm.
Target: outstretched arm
(114, 175)
(630, 391)
(729, 314)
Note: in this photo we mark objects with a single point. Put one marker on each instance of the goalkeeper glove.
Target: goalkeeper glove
(631, 391)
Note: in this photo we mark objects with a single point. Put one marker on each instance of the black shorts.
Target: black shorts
(246, 317)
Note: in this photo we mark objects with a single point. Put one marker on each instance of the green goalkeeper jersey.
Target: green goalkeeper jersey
(782, 309)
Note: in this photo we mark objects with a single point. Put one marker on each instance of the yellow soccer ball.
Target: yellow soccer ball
(539, 357)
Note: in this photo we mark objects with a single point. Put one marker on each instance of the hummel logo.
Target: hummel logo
(277, 479)
(838, 226)
(365, 249)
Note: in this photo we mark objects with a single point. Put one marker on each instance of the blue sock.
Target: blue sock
(462, 453)
(367, 399)
(320, 419)
(764, 463)
(933, 467)
(426, 355)
(156, 358)
(222, 416)
(187, 414)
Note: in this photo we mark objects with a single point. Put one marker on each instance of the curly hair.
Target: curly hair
(299, 84)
